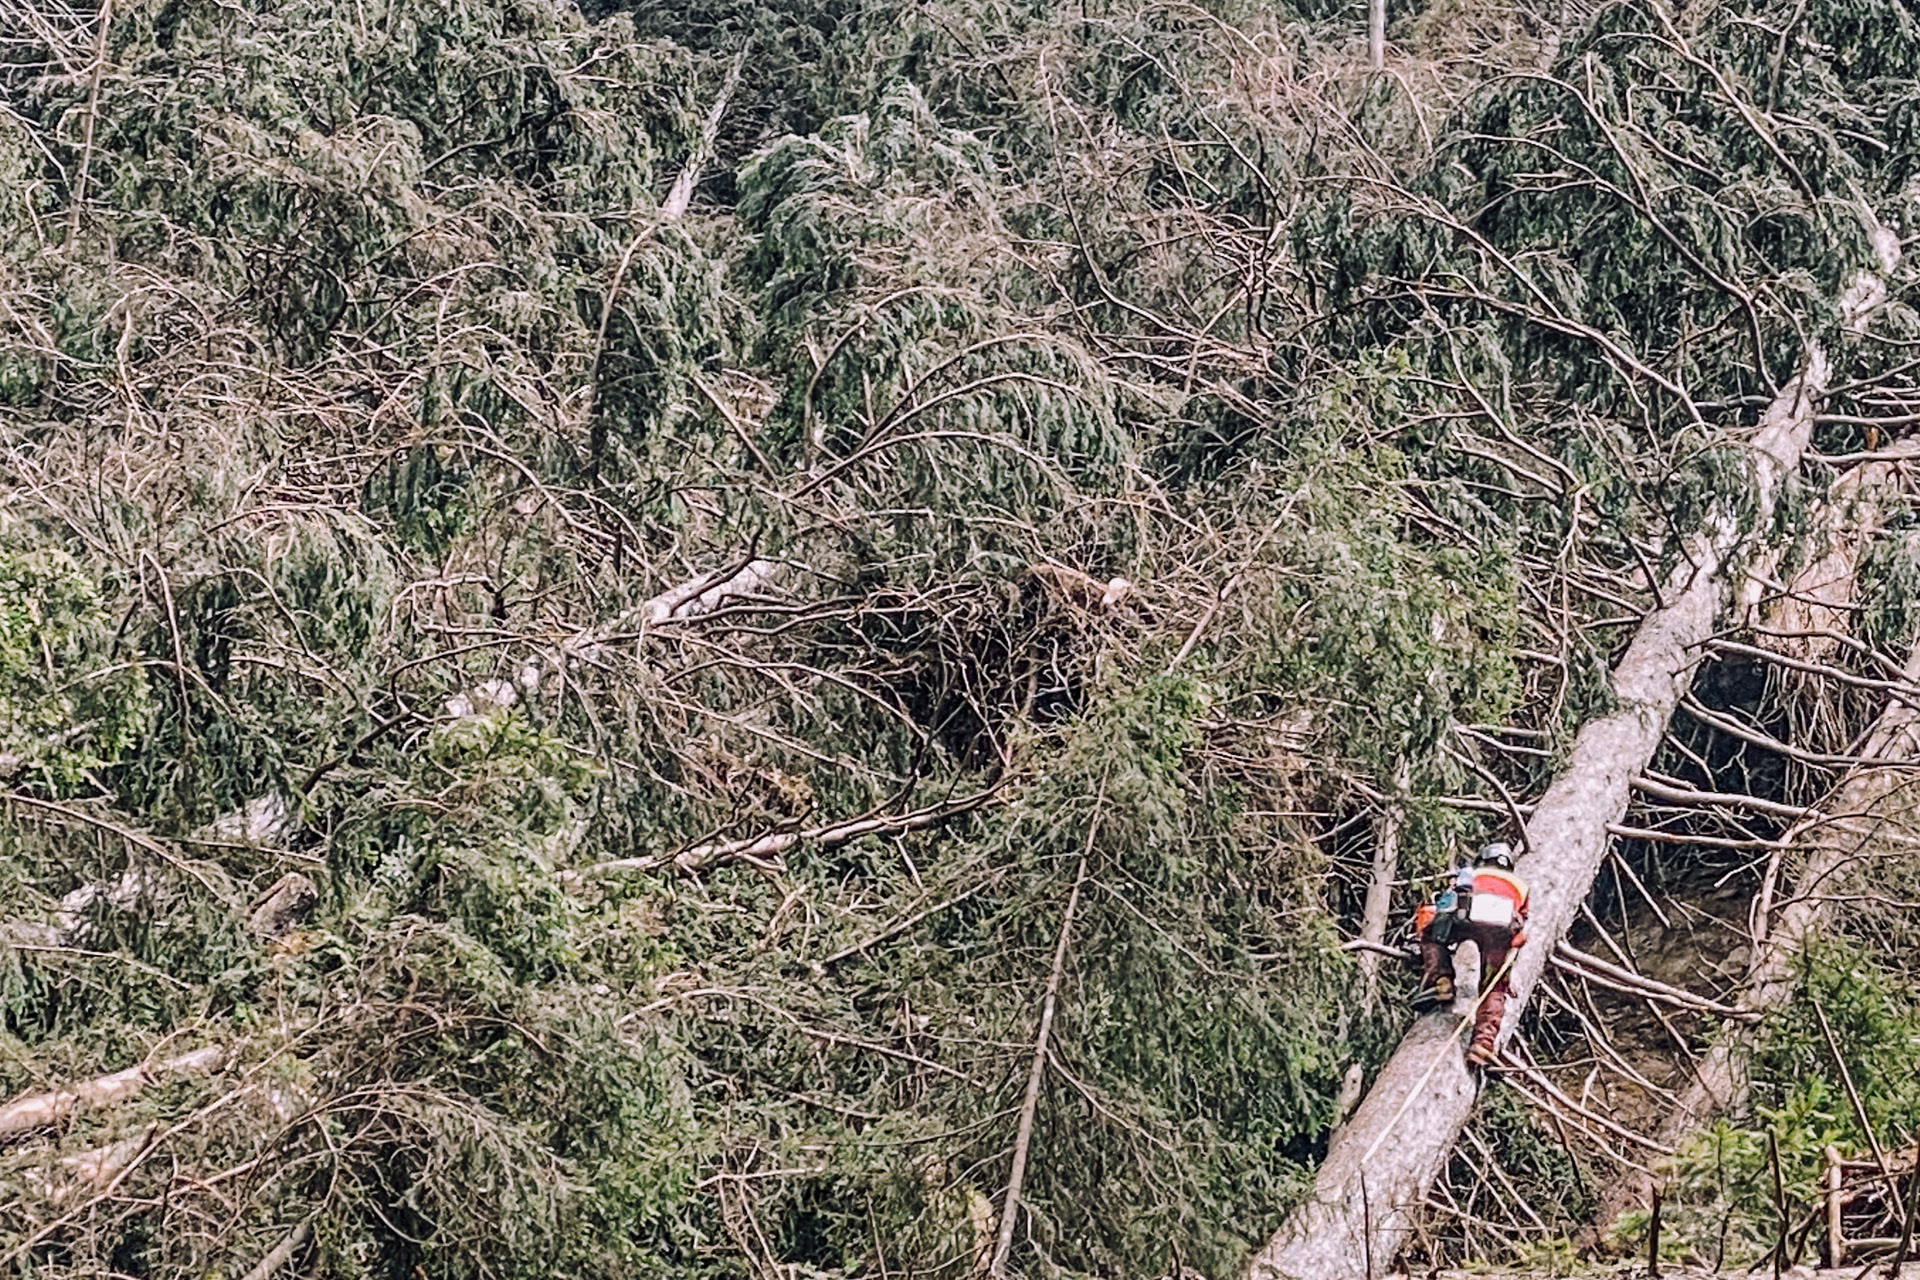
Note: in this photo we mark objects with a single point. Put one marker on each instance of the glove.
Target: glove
(1422, 917)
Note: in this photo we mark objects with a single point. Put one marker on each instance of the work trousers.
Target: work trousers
(1495, 942)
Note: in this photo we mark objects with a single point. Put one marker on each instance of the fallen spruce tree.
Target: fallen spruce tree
(1370, 1190)
(1369, 1193)
(1826, 856)
(802, 1029)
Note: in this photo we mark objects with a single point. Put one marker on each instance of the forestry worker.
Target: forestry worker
(1486, 905)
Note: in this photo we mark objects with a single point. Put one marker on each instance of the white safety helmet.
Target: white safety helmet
(1496, 854)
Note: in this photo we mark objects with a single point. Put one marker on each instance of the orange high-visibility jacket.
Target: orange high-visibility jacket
(1503, 884)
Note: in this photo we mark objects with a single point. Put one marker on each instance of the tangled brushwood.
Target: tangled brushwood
(751, 639)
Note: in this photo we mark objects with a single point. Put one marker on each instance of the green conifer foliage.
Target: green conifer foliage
(457, 612)
(65, 706)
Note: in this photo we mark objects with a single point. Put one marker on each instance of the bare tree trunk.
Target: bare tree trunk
(701, 594)
(1377, 914)
(40, 1110)
(97, 73)
(1377, 34)
(282, 1253)
(682, 193)
(89, 1172)
(1834, 846)
(1806, 619)
(1401, 1135)
(1030, 1105)
(1811, 612)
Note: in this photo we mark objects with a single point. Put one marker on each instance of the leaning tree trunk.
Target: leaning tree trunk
(1377, 914)
(1834, 844)
(1807, 617)
(1368, 1192)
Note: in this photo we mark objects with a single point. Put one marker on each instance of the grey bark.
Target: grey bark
(1816, 606)
(1377, 914)
(282, 1253)
(1030, 1104)
(92, 1171)
(1377, 1172)
(40, 1110)
(283, 904)
(266, 820)
(1835, 847)
(1807, 616)
(699, 595)
(682, 194)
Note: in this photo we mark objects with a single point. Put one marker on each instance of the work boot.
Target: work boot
(1437, 994)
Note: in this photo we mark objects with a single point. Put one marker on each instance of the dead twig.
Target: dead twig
(1030, 1105)
(282, 1253)
(1571, 959)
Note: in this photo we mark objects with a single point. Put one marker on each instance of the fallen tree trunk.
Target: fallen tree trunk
(701, 594)
(681, 196)
(1376, 916)
(1833, 845)
(1369, 1191)
(282, 1253)
(89, 1172)
(1807, 616)
(41, 1110)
